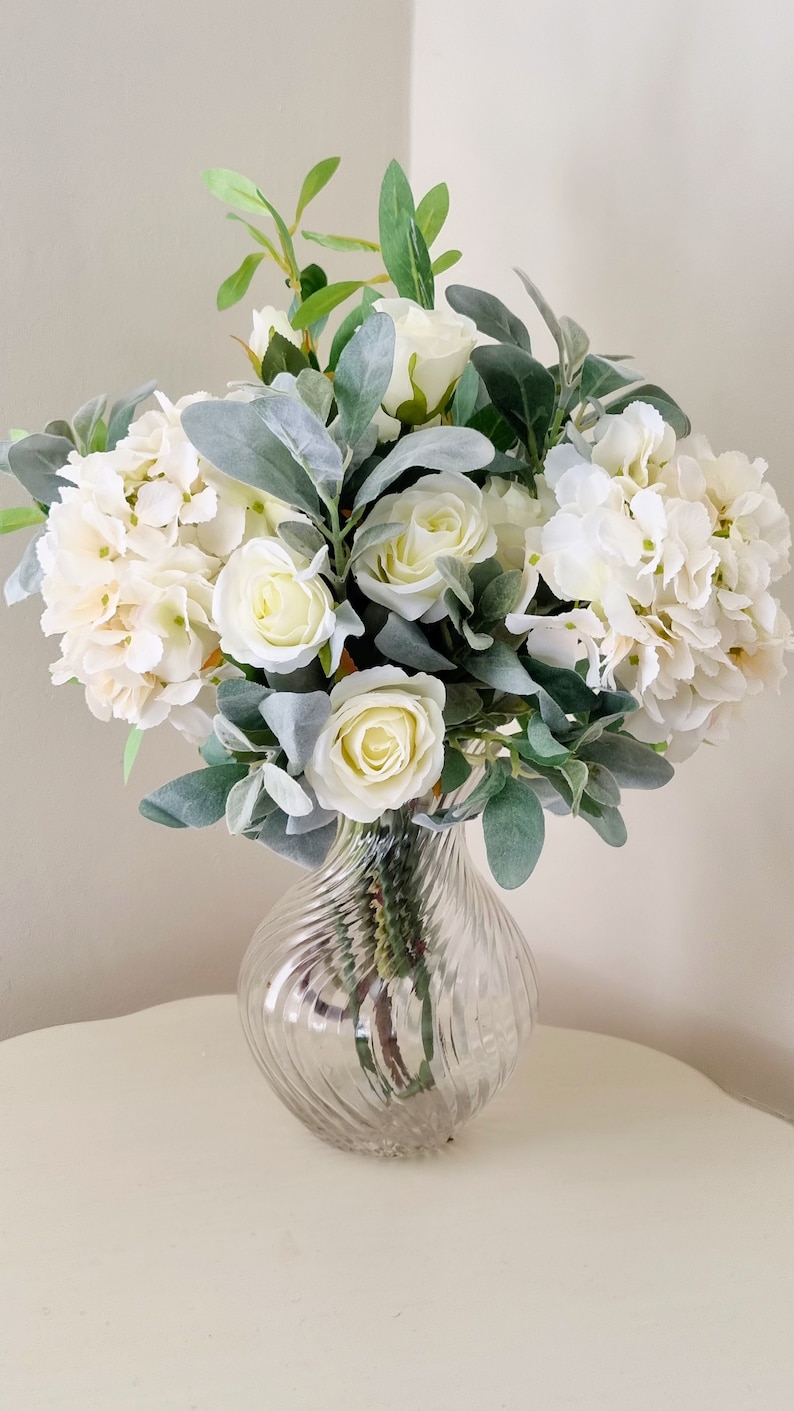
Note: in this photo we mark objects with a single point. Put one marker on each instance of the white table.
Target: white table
(613, 1232)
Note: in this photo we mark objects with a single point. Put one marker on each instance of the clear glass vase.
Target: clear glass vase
(390, 993)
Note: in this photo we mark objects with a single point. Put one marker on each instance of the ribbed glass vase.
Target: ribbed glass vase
(390, 993)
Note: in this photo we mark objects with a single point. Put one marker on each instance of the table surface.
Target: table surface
(613, 1232)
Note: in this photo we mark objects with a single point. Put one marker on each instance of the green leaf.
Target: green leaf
(233, 189)
(22, 517)
(521, 389)
(491, 316)
(446, 261)
(436, 448)
(195, 800)
(432, 212)
(256, 234)
(308, 850)
(564, 686)
(542, 745)
(633, 764)
(240, 701)
(462, 703)
(213, 752)
(306, 438)
(36, 460)
(28, 574)
(122, 412)
(315, 391)
(544, 309)
(575, 343)
(313, 183)
(457, 577)
(340, 242)
(493, 425)
(284, 236)
(363, 375)
(465, 398)
(60, 428)
(233, 288)
(499, 667)
(86, 420)
(402, 244)
(369, 536)
(405, 642)
(658, 398)
(456, 770)
(600, 376)
(282, 356)
(575, 773)
(609, 825)
(500, 596)
(603, 787)
(514, 830)
(296, 719)
(233, 436)
(301, 537)
(131, 750)
(324, 301)
(313, 278)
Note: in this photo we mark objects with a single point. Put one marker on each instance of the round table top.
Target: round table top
(613, 1232)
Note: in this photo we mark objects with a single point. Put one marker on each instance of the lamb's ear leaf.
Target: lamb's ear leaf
(194, 800)
(514, 829)
(306, 849)
(658, 398)
(234, 437)
(36, 460)
(122, 412)
(633, 764)
(492, 317)
(296, 719)
(363, 374)
(405, 642)
(435, 448)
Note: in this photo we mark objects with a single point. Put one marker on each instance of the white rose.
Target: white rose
(268, 321)
(511, 511)
(431, 350)
(636, 443)
(383, 743)
(440, 515)
(272, 608)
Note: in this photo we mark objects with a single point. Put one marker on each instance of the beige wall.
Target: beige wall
(111, 255)
(637, 160)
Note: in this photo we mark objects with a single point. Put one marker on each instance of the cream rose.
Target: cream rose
(636, 443)
(440, 515)
(383, 743)
(272, 608)
(431, 350)
(268, 321)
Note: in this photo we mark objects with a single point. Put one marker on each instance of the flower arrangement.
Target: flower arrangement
(417, 565)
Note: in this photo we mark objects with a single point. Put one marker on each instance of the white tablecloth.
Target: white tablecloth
(613, 1232)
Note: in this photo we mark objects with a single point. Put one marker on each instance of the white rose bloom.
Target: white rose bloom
(431, 350)
(272, 607)
(511, 511)
(383, 743)
(636, 443)
(268, 321)
(441, 514)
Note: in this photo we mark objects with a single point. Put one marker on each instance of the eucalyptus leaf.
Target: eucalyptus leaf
(658, 398)
(363, 374)
(633, 764)
(236, 285)
(499, 667)
(609, 825)
(234, 437)
(314, 181)
(296, 719)
(492, 317)
(308, 850)
(541, 743)
(436, 448)
(465, 398)
(402, 244)
(36, 460)
(456, 770)
(122, 412)
(522, 390)
(602, 786)
(462, 703)
(195, 800)
(514, 829)
(405, 642)
(600, 376)
(306, 438)
(566, 687)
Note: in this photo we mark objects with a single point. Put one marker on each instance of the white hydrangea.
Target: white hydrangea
(130, 558)
(671, 552)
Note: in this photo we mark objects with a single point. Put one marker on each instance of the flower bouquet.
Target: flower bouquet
(387, 587)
